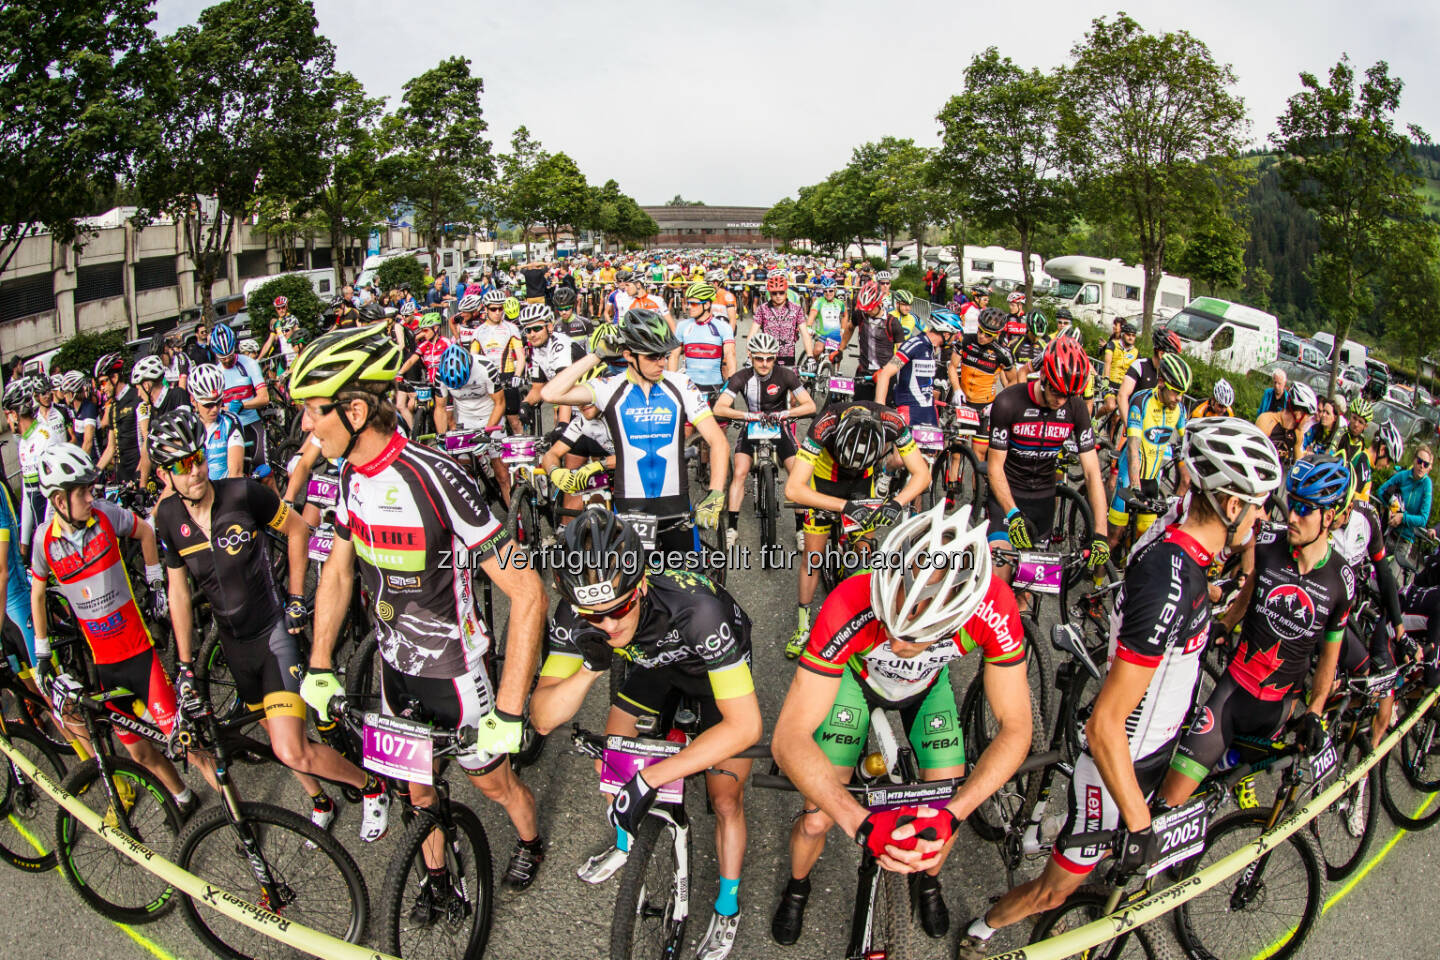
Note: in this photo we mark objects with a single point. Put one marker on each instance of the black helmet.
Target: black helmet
(859, 439)
(564, 298)
(606, 560)
(645, 331)
(624, 276)
(993, 319)
(372, 312)
(174, 436)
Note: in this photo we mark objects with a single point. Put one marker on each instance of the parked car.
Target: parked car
(1412, 426)
(1304, 352)
(1401, 395)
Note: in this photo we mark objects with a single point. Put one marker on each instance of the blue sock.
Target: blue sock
(727, 903)
(622, 840)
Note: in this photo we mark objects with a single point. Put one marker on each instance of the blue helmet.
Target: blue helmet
(454, 367)
(827, 281)
(222, 340)
(1322, 479)
(944, 321)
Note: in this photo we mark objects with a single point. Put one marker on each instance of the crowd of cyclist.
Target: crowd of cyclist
(654, 368)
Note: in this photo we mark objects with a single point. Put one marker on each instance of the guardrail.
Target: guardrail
(1163, 901)
(237, 908)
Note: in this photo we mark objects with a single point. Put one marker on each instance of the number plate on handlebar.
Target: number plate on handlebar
(927, 437)
(458, 442)
(842, 384)
(1038, 573)
(1323, 762)
(762, 431)
(324, 491)
(625, 757)
(399, 748)
(1179, 834)
(423, 392)
(967, 417)
(322, 541)
(645, 526)
(894, 796)
(1377, 686)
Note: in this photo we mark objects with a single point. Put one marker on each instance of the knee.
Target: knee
(814, 826)
(728, 804)
(292, 753)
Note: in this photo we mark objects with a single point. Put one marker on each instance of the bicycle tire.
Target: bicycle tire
(24, 805)
(669, 933)
(821, 386)
(1333, 829)
(896, 920)
(972, 726)
(212, 671)
(1086, 905)
(296, 863)
(362, 675)
(968, 486)
(768, 505)
(82, 854)
(1231, 833)
(1041, 676)
(522, 521)
(478, 888)
(1074, 526)
(1410, 773)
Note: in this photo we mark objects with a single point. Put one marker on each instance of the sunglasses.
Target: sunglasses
(535, 328)
(494, 309)
(1422, 463)
(657, 357)
(1303, 508)
(207, 404)
(185, 465)
(694, 303)
(615, 613)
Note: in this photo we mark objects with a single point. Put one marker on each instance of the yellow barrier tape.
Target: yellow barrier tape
(1163, 901)
(237, 908)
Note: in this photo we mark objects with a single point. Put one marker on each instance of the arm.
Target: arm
(719, 453)
(565, 389)
(1241, 604)
(1125, 685)
(740, 727)
(1094, 488)
(919, 481)
(556, 699)
(528, 606)
(261, 398)
(297, 546)
(149, 549)
(1008, 693)
(497, 411)
(300, 476)
(999, 485)
(235, 461)
(37, 609)
(727, 360)
(883, 376)
(1324, 679)
(800, 758)
(725, 408)
(182, 619)
(442, 414)
(1421, 516)
(798, 489)
(802, 404)
(88, 442)
(332, 602)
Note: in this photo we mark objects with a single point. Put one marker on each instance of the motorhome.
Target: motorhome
(321, 281)
(1351, 352)
(1229, 335)
(1099, 290)
(451, 259)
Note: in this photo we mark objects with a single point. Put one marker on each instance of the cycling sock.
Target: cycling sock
(534, 846)
(373, 786)
(979, 929)
(322, 802)
(727, 903)
(799, 886)
(732, 519)
(185, 796)
(802, 615)
(622, 840)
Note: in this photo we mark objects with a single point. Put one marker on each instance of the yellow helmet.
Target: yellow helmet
(700, 291)
(343, 357)
(512, 308)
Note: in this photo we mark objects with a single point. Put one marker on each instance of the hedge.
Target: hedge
(304, 305)
(394, 272)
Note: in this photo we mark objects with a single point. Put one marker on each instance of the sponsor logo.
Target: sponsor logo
(1204, 722)
(845, 739)
(945, 743)
(1291, 611)
(184, 529)
(384, 611)
(400, 582)
(773, 389)
(935, 722)
(1094, 806)
(592, 593)
(844, 717)
(233, 540)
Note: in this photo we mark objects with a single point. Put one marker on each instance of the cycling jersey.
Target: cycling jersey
(56, 418)
(555, 354)
(475, 401)
(90, 571)
(413, 513)
(581, 428)
(765, 394)
(980, 366)
(829, 316)
(242, 378)
(502, 345)
(127, 431)
(878, 336)
(1158, 429)
(1162, 621)
(1028, 350)
(703, 345)
(848, 634)
(1362, 537)
(1351, 448)
(1286, 439)
(1209, 408)
(33, 442)
(647, 422)
(232, 562)
(220, 437)
(724, 305)
(914, 385)
(430, 352)
(1143, 374)
(1290, 613)
(178, 367)
(1033, 436)
(1122, 358)
(909, 323)
(689, 625)
(782, 323)
(815, 449)
(87, 416)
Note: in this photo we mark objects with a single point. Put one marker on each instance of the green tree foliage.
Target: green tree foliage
(518, 193)
(350, 198)
(82, 350)
(1409, 295)
(1154, 133)
(1343, 160)
(67, 83)
(679, 201)
(303, 303)
(892, 174)
(1001, 151)
(618, 217)
(235, 103)
(395, 271)
(565, 197)
(779, 221)
(1214, 254)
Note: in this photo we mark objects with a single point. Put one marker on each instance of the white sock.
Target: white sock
(980, 930)
(185, 796)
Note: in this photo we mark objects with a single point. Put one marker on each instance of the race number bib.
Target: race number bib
(399, 748)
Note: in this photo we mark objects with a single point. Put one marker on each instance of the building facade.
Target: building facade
(710, 227)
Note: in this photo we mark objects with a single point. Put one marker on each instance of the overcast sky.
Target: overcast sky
(744, 102)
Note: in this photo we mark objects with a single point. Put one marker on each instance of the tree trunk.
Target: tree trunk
(1152, 290)
(337, 252)
(1025, 264)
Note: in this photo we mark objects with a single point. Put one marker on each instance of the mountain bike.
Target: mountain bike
(956, 474)
(1343, 831)
(1410, 773)
(26, 810)
(764, 476)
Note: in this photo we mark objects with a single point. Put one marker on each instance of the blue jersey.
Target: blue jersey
(647, 423)
(242, 380)
(704, 346)
(220, 436)
(914, 384)
(10, 532)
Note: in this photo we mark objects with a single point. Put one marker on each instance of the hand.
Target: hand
(835, 357)
(886, 832)
(1136, 849)
(159, 600)
(42, 674)
(631, 804)
(1021, 530)
(235, 406)
(860, 515)
(1219, 633)
(889, 513)
(1311, 733)
(295, 614)
(707, 515)
(317, 689)
(1099, 552)
(183, 735)
(499, 732)
(187, 688)
(564, 480)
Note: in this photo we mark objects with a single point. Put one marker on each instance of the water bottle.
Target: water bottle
(1228, 762)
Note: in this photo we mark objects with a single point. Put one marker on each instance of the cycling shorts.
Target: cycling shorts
(513, 396)
(657, 691)
(256, 453)
(589, 448)
(982, 433)
(931, 722)
(1359, 658)
(448, 704)
(19, 632)
(267, 670)
(784, 444)
(1118, 516)
(1093, 809)
(924, 416)
(144, 676)
(1040, 510)
(864, 488)
(1229, 713)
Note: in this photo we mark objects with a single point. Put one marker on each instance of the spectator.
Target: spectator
(1275, 397)
(534, 275)
(435, 295)
(444, 286)
(1411, 488)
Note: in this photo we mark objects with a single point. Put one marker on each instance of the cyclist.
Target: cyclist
(877, 334)
(224, 444)
(430, 344)
(1295, 604)
(245, 394)
(826, 319)
(707, 341)
(915, 363)
(19, 629)
(1028, 349)
(34, 439)
(1157, 636)
(570, 323)
(1351, 443)
(1386, 450)
(1286, 429)
(646, 409)
(846, 447)
(682, 634)
(156, 400)
(903, 314)
(216, 533)
(79, 546)
(405, 513)
(1155, 427)
(466, 317)
(547, 353)
(1328, 427)
(87, 411)
(1029, 424)
(772, 393)
(1220, 403)
(785, 321)
(583, 448)
(886, 639)
(976, 303)
(48, 413)
(500, 341)
(723, 305)
(1120, 352)
(976, 366)
(1141, 374)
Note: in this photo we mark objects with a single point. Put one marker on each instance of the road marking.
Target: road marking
(155, 949)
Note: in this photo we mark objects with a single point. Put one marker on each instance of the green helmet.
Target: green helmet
(700, 290)
(645, 331)
(1175, 372)
(431, 319)
(343, 357)
(1038, 323)
(1361, 409)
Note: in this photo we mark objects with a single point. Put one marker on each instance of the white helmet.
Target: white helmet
(147, 368)
(74, 380)
(1223, 393)
(249, 347)
(762, 343)
(936, 557)
(1231, 456)
(206, 382)
(64, 465)
(1302, 397)
(468, 303)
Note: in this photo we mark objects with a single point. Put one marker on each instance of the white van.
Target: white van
(1229, 335)
(321, 281)
(451, 259)
(1098, 290)
(1351, 352)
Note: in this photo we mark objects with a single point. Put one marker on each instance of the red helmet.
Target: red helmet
(1016, 297)
(1064, 366)
(869, 297)
(777, 283)
(281, 302)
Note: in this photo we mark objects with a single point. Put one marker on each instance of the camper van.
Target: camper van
(1098, 290)
(1351, 353)
(1229, 335)
(451, 259)
(321, 281)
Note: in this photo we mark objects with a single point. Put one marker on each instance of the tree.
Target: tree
(1214, 254)
(350, 199)
(82, 350)
(1001, 146)
(66, 126)
(679, 201)
(1408, 291)
(779, 222)
(303, 303)
(439, 162)
(236, 110)
(1154, 132)
(564, 196)
(395, 272)
(891, 174)
(519, 195)
(1343, 160)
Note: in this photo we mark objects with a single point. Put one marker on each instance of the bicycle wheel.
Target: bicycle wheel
(1088, 904)
(319, 883)
(713, 543)
(978, 727)
(109, 881)
(1266, 909)
(26, 810)
(767, 506)
(653, 899)
(967, 484)
(894, 920)
(821, 387)
(1074, 527)
(1410, 773)
(1041, 675)
(1343, 830)
(523, 520)
(422, 922)
(362, 676)
(212, 670)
